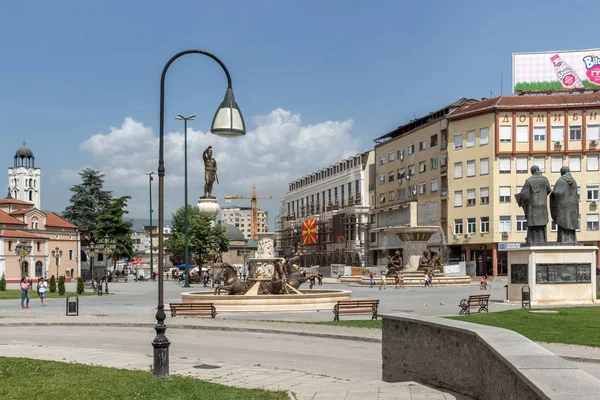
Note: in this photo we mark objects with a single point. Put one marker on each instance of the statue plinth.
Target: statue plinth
(208, 206)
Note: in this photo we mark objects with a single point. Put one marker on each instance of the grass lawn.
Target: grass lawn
(374, 324)
(24, 379)
(16, 294)
(572, 325)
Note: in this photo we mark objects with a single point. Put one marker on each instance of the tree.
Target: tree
(203, 237)
(110, 224)
(80, 285)
(87, 202)
(61, 285)
(52, 284)
(3, 283)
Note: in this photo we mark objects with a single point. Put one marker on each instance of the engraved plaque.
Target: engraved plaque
(518, 273)
(562, 273)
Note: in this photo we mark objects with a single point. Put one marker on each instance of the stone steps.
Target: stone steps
(409, 281)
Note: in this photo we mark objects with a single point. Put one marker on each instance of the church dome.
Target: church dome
(233, 232)
(23, 152)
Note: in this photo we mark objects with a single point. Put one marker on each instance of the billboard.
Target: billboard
(556, 70)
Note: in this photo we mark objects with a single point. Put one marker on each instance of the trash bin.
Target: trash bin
(506, 287)
(99, 288)
(72, 306)
(525, 297)
(106, 287)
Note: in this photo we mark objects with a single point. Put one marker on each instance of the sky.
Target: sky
(316, 81)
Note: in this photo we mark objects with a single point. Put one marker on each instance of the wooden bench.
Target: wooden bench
(355, 307)
(185, 309)
(479, 300)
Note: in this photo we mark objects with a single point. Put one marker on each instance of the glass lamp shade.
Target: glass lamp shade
(228, 120)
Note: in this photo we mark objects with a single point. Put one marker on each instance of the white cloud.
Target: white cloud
(278, 150)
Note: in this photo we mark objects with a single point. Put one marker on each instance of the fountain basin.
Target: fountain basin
(311, 300)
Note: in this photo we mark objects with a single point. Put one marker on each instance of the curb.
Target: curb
(199, 327)
(580, 359)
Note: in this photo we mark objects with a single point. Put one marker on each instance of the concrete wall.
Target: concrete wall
(479, 361)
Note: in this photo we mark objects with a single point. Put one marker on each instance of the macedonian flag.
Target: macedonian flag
(309, 232)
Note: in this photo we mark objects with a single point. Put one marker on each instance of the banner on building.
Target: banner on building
(309, 232)
(556, 70)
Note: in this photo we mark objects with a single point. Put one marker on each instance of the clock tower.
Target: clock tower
(24, 177)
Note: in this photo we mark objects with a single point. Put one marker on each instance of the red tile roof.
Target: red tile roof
(21, 211)
(9, 233)
(9, 220)
(15, 201)
(55, 221)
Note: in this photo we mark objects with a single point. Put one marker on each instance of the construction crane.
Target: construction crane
(253, 207)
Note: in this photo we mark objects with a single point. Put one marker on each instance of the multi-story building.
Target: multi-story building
(241, 218)
(493, 144)
(24, 179)
(410, 167)
(335, 202)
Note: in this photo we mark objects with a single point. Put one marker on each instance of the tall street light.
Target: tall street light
(22, 251)
(150, 179)
(57, 254)
(227, 122)
(185, 203)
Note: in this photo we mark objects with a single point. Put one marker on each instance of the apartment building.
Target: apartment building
(410, 166)
(241, 218)
(493, 144)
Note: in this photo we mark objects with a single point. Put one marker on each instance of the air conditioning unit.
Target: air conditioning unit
(455, 236)
(558, 143)
(467, 236)
(408, 177)
(504, 233)
(593, 142)
(594, 203)
(401, 157)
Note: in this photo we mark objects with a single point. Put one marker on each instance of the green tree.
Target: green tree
(3, 283)
(87, 202)
(203, 237)
(80, 285)
(61, 285)
(111, 224)
(52, 284)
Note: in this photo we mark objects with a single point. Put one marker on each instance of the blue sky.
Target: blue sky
(73, 69)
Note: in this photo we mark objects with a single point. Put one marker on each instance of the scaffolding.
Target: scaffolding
(342, 236)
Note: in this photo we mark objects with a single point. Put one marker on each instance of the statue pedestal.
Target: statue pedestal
(557, 274)
(208, 206)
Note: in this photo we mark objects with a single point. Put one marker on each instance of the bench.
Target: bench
(116, 278)
(479, 300)
(185, 309)
(355, 307)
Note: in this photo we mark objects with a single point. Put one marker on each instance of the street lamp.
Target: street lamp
(150, 179)
(57, 254)
(227, 122)
(22, 250)
(185, 203)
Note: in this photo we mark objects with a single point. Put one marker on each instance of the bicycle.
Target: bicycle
(485, 286)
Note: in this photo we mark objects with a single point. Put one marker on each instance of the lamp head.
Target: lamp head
(228, 120)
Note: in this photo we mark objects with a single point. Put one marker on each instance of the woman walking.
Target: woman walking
(42, 291)
(25, 286)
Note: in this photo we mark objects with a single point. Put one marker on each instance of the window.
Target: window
(593, 132)
(373, 237)
(471, 225)
(434, 185)
(422, 145)
(401, 173)
(381, 181)
(70, 254)
(522, 134)
(505, 223)
(592, 222)
(575, 132)
(504, 165)
(401, 154)
(401, 193)
(471, 168)
(30, 195)
(578, 192)
(521, 164)
(556, 163)
(592, 162)
(434, 162)
(390, 176)
(10, 245)
(519, 188)
(422, 188)
(391, 195)
(433, 141)
(553, 226)
(575, 163)
(391, 156)
(521, 223)
(484, 136)
(458, 198)
(381, 160)
(504, 194)
(411, 149)
(540, 162)
(470, 138)
(557, 133)
(505, 133)
(457, 141)
(484, 194)
(539, 133)
(34, 223)
(422, 166)
(457, 170)
(484, 226)
(592, 192)
(484, 166)
(412, 190)
(458, 228)
(471, 197)
(39, 246)
(382, 198)
(411, 170)
(100, 257)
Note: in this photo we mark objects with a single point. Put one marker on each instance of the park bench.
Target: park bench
(478, 301)
(355, 307)
(188, 309)
(116, 278)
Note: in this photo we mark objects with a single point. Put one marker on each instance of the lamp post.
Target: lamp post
(92, 254)
(227, 122)
(185, 203)
(22, 250)
(150, 179)
(57, 254)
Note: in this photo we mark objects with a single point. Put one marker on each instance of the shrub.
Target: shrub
(52, 284)
(3, 283)
(61, 285)
(80, 285)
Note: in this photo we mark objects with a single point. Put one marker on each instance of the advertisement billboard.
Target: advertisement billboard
(556, 70)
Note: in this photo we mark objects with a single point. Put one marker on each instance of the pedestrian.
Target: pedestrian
(245, 273)
(42, 291)
(371, 280)
(320, 279)
(426, 279)
(430, 275)
(382, 283)
(25, 286)
(312, 281)
(401, 280)
(397, 280)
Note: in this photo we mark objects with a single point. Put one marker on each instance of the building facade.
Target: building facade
(333, 206)
(492, 146)
(241, 218)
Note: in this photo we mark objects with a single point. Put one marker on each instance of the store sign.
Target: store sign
(562, 70)
(508, 246)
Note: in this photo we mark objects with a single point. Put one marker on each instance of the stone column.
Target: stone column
(467, 252)
(495, 259)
